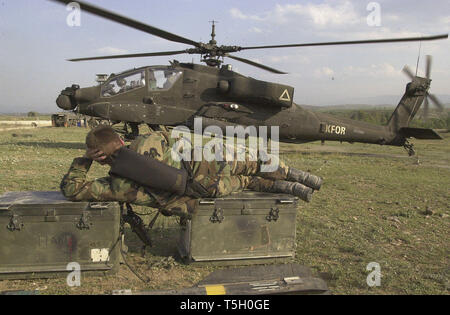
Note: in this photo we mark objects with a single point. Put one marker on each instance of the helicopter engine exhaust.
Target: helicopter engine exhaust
(257, 92)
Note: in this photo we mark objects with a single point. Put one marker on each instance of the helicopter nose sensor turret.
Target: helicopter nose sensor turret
(73, 96)
(63, 102)
(66, 100)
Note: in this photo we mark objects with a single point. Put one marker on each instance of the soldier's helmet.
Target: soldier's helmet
(151, 76)
(121, 82)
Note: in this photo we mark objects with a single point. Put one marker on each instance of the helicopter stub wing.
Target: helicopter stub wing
(420, 133)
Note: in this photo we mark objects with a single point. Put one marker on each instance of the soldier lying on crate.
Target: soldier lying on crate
(145, 173)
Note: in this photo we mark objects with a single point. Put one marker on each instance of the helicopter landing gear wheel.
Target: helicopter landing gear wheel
(94, 122)
(409, 147)
(134, 130)
(157, 127)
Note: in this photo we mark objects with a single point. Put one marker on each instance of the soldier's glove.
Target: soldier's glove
(149, 172)
(195, 190)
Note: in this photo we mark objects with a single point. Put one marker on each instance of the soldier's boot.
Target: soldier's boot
(305, 178)
(292, 188)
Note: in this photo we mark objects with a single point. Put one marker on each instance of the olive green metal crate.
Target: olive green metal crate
(243, 228)
(42, 232)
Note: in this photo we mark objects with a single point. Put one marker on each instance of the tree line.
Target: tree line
(436, 120)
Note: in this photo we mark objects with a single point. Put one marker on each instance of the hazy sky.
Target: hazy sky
(35, 40)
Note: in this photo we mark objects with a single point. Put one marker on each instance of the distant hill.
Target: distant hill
(23, 114)
(376, 102)
(380, 115)
(348, 107)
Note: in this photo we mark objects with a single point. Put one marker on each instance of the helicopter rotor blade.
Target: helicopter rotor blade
(373, 41)
(130, 22)
(163, 53)
(255, 64)
(436, 102)
(428, 68)
(425, 108)
(406, 70)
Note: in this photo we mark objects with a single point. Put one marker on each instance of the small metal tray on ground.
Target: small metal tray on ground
(284, 279)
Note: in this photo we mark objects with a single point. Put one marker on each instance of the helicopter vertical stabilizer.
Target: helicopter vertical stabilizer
(409, 104)
(416, 93)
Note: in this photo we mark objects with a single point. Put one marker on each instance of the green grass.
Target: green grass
(25, 118)
(372, 208)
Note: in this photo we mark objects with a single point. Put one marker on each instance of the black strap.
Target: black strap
(137, 225)
(141, 277)
(188, 168)
(193, 188)
(152, 222)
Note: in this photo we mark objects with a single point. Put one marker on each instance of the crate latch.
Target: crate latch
(83, 223)
(274, 214)
(51, 216)
(217, 216)
(15, 223)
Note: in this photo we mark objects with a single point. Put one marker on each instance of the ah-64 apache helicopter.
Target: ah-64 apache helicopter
(175, 94)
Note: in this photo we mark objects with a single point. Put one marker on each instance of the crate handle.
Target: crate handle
(207, 202)
(98, 205)
(285, 201)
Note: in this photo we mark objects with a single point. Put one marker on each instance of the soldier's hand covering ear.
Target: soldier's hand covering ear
(95, 154)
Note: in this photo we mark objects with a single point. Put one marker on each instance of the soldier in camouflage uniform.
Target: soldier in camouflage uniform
(219, 178)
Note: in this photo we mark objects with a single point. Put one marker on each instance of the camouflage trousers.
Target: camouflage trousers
(220, 178)
(184, 206)
(230, 171)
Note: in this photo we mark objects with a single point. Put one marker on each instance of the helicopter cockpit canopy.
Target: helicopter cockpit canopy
(162, 79)
(159, 79)
(124, 83)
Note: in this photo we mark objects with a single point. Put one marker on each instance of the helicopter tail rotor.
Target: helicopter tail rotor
(428, 96)
(407, 70)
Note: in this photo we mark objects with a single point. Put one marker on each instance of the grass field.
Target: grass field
(376, 205)
(25, 118)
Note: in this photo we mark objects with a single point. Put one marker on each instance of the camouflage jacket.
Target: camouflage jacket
(219, 178)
